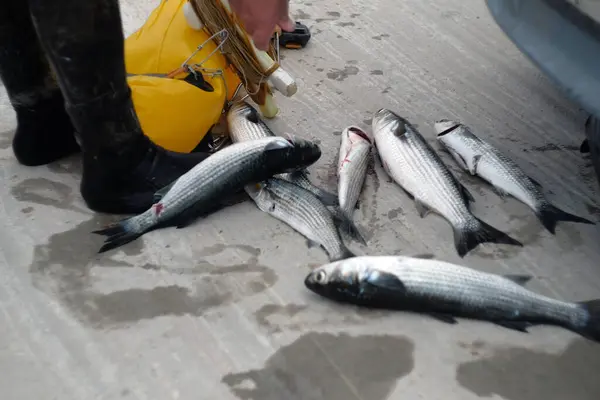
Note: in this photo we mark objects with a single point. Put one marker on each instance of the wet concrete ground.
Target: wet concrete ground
(219, 310)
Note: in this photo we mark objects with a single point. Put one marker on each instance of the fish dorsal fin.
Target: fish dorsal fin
(386, 281)
(536, 183)
(519, 279)
(399, 130)
(499, 191)
(474, 162)
(160, 193)
(519, 326)
(466, 194)
(253, 115)
(278, 145)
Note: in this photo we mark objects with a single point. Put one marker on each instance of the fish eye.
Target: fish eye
(320, 277)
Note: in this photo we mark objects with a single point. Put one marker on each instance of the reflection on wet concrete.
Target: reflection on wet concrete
(62, 269)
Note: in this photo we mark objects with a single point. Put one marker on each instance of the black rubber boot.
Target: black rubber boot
(44, 131)
(122, 168)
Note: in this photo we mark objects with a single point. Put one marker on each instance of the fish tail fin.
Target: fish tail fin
(469, 236)
(549, 215)
(119, 234)
(346, 225)
(346, 253)
(327, 198)
(592, 327)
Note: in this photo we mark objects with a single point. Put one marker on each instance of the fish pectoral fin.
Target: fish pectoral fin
(447, 318)
(422, 209)
(424, 256)
(311, 243)
(160, 193)
(585, 147)
(519, 279)
(400, 130)
(474, 162)
(460, 160)
(519, 326)
(253, 116)
(385, 280)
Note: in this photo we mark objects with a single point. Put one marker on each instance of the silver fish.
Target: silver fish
(303, 211)
(482, 159)
(415, 166)
(444, 291)
(219, 175)
(246, 124)
(353, 160)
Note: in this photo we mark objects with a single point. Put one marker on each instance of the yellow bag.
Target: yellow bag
(173, 113)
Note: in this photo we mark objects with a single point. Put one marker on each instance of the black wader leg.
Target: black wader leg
(44, 131)
(122, 168)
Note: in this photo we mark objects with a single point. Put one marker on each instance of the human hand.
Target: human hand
(260, 17)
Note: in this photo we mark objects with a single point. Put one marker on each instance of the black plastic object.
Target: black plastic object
(197, 79)
(297, 39)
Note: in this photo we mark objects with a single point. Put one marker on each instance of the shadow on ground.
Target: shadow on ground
(325, 366)
(523, 374)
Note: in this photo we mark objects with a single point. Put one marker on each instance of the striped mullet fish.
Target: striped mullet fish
(414, 165)
(302, 211)
(221, 174)
(355, 149)
(444, 291)
(246, 124)
(482, 159)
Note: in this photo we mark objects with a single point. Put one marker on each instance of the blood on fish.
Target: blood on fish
(158, 207)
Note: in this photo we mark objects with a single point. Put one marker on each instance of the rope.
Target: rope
(237, 49)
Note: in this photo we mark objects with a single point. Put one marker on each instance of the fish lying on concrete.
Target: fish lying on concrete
(416, 167)
(482, 159)
(304, 212)
(221, 174)
(244, 124)
(353, 160)
(445, 291)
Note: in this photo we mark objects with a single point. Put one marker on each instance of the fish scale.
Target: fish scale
(482, 159)
(445, 290)
(414, 165)
(301, 210)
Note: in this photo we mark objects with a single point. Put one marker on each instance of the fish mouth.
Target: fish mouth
(445, 126)
(356, 130)
(309, 281)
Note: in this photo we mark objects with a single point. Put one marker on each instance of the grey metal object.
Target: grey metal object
(560, 39)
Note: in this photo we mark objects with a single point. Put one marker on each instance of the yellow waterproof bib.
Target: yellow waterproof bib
(173, 113)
